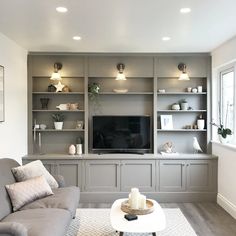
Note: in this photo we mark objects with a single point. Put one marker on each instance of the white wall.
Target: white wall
(13, 132)
(221, 57)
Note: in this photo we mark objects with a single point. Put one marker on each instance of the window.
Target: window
(227, 99)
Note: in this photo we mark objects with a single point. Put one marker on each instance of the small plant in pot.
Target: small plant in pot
(58, 121)
(183, 104)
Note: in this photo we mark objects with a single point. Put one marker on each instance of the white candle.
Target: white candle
(135, 198)
(142, 202)
(129, 201)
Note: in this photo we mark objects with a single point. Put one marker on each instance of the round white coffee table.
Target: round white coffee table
(150, 223)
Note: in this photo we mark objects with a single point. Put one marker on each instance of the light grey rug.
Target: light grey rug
(96, 222)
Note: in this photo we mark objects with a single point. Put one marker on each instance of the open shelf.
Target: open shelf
(181, 93)
(181, 111)
(181, 130)
(58, 93)
(58, 110)
(59, 130)
(127, 93)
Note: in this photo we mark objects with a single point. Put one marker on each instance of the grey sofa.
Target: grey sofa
(49, 216)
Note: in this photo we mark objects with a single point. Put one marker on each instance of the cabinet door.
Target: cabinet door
(139, 174)
(71, 171)
(172, 176)
(101, 175)
(199, 175)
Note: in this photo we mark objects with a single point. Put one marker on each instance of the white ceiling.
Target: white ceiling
(118, 25)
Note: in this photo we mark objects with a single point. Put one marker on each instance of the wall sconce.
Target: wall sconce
(120, 76)
(184, 74)
(56, 75)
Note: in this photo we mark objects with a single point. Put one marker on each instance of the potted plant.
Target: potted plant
(222, 130)
(79, 145)
(58, 121)
(184, 104)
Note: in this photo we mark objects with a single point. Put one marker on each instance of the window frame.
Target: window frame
(221, 73)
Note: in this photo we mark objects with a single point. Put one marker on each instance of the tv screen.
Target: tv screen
(121, 133)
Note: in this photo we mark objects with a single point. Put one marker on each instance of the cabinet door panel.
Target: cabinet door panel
(199, 175)
(71, 171)
(172, 176)
(102, 176)
(140, 174)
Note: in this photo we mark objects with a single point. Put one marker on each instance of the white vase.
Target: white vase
(79, 148)
(72, 149)
(200, 124)
(225, 140)
(58, 125)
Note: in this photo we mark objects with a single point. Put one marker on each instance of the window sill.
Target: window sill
(225, 145)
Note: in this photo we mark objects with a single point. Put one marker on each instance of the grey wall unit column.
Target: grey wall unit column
(104, 178)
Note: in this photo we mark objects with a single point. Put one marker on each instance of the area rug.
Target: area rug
(96, 222)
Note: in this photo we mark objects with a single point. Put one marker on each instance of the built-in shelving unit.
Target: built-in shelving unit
(146, 75)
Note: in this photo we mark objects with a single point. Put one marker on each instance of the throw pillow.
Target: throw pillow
(27, 191)
(33, 169)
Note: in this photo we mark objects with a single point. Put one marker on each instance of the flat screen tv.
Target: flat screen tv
(121, 133)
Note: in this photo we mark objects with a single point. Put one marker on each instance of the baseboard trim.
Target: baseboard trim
(162, 197)
(227, 205)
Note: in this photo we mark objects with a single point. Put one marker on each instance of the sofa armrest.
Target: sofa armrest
(60, 180)
(12, 229)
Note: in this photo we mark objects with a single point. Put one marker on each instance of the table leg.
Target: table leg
(121, 233)
(153, 234)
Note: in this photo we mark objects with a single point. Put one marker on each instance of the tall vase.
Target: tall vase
(79, 148)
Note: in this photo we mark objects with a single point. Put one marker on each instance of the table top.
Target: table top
(150, 223)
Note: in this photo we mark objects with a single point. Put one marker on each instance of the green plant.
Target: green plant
(79, 140)
(58, 117)
(222, 129)
(93, 90)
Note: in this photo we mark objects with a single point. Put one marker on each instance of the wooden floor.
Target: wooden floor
(207, 219)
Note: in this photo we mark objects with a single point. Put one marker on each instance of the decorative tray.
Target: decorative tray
(125, 207)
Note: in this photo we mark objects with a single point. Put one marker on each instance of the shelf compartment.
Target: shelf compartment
(181, 130)
(58, 93)
(57, 110)
(180, 111)
(181, 93)
(128, 93)
(60, 130)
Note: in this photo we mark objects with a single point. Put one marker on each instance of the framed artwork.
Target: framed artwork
(166, 122)
(1, 93)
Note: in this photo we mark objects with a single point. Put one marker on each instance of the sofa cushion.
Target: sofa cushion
(6, 177)
(63, 198)
(42, 222)
(27, 191)
(33, 169)
(12, 229)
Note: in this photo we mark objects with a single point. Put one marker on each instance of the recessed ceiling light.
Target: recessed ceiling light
(166, 38)
(61, 9)
(77, 38)
(185, 10)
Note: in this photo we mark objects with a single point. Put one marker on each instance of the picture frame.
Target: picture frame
(2, 108)
(166, 122)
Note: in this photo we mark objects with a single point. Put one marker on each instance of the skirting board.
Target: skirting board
(163, 197)
(227, 205)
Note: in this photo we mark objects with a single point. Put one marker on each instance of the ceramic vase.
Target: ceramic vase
(79, 148)
(200, 124)
(184, 106)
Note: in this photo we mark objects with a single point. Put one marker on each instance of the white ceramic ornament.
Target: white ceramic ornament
(72, 149)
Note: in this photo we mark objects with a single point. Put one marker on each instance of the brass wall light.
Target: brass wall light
(56, 75)
(184, 74)
(120, 75)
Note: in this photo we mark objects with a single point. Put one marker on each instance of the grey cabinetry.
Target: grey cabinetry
(71, 171)
(138, 173)
(102, 175)
(199, 175)
(172, 176)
